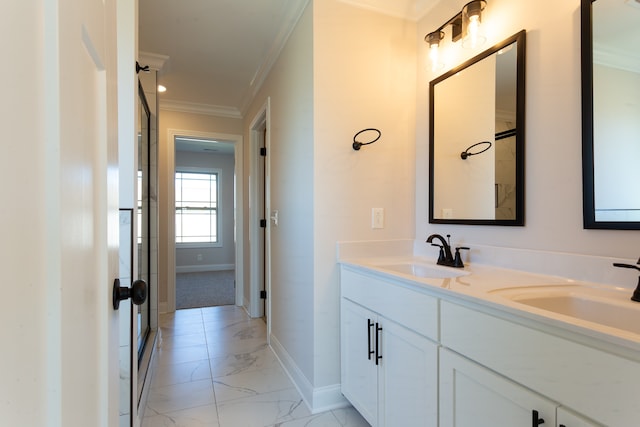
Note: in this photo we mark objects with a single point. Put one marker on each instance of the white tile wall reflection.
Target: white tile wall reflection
(214, 368)
(125, 256)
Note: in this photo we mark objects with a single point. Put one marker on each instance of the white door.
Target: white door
(473, 396)
(359, 369)
(60, 237)
(408, 377)
(567, 418)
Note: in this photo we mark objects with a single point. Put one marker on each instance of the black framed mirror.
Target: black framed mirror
(610, 114)
(477, 132)
(144, 177)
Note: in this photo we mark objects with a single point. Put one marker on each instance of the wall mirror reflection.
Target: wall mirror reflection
(144, 214)
(476, 149)
(611, 113)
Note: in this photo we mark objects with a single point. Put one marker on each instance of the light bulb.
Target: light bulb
(433, 56)
(473, 30)
(471, 19)
(474, 37)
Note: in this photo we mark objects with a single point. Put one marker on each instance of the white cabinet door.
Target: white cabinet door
(359, 371)
(567, 418)
(473, 396)
(408, 377)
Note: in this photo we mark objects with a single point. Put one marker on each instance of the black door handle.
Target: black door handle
(137, 292)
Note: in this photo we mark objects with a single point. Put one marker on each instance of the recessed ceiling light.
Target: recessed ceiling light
(161, 89)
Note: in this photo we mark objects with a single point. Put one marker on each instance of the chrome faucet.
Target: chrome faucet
(636, 293)
(446, 256)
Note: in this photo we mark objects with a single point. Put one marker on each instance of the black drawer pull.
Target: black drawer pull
(536, 420)
(378, 330)
(369, 326)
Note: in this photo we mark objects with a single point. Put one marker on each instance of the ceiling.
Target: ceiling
(220, 51)
(201, 145)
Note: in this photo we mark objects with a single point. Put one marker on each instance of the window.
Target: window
(197, 207)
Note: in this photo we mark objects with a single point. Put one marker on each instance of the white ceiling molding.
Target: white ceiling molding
(412, 10)
(194, 108)
(621, 59)
(155, 61)
(292, 18)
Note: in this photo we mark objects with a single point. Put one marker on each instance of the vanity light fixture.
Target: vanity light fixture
(161, 89)
(433, 40)
(472, 35)
(465, 25)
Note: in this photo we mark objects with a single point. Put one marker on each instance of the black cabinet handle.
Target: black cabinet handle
(562, 425)
(378, 330)
(536, 420)
(369, 326)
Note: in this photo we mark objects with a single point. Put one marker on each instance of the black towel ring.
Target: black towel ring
(466, 152)
(356, 145)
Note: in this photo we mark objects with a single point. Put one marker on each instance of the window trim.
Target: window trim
(203, 245)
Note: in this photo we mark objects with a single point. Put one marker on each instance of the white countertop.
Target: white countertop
(495, 287)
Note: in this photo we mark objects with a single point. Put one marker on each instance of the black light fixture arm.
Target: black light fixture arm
(455, 22)
(466, 152)
(356, 144)
(456, 30)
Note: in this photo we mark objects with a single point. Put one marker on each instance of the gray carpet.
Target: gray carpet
(205, 289)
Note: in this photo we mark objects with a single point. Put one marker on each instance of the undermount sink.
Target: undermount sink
(424, 270)
(611, 308)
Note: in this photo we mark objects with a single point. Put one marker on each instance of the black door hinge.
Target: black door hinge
(263, 294)
(263, 223)
(263, 151)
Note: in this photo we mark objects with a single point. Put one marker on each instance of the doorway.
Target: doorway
(204, 249)
(260, 219)
(204, 201)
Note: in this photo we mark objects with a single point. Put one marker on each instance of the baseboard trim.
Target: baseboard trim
(163, 307)
(204, 267)
(318, 399)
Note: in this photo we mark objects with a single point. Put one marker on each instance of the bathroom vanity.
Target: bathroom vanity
(424, 345)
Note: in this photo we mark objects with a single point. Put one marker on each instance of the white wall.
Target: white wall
(338, 74)
(553, 229)
(364, 76)
(219, 256)
(290, 88)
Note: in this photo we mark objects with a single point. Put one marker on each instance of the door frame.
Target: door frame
(172, 134)
(260, 121)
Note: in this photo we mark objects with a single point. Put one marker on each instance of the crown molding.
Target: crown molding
(155, 61)
(411, 10)
(292, 18)
(616, 59)
(195, 108)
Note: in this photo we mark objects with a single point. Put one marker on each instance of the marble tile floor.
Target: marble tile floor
(215, 369)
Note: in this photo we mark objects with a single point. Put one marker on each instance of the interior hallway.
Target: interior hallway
(215, 369)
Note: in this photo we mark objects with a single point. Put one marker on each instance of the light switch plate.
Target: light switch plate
(377, 217)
